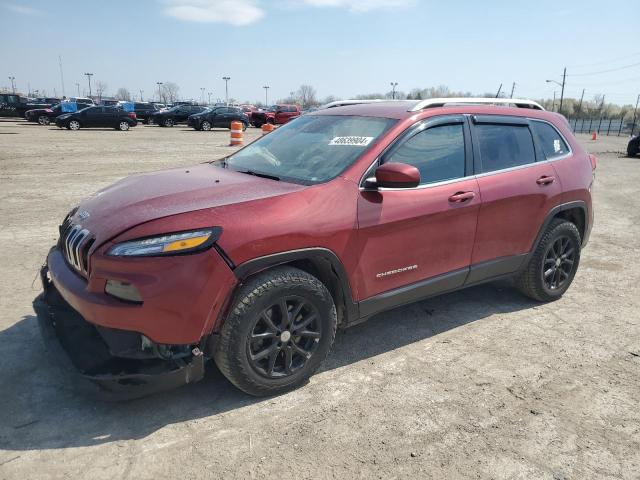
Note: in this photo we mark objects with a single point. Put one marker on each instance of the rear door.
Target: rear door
(90, 117)
(518, 187)
(408, 235)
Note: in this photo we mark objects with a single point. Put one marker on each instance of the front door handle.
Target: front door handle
(545, 180)
(461, 197)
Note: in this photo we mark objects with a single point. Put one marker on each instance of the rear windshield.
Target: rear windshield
(310, 149)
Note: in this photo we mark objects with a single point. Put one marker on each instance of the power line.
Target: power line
(604, 71)
(613, 60)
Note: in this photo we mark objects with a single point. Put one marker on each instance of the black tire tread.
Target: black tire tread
(261, 284)
(528, 280)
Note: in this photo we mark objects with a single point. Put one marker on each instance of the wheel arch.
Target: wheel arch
(574, 212)
(319, 262)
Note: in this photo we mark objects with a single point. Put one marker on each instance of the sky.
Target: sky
(341, 47)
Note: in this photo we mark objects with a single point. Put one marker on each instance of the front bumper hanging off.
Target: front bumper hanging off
(83, 351)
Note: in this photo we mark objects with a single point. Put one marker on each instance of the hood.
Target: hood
(150, 196)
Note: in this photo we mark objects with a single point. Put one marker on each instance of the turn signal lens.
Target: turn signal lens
(186, 244)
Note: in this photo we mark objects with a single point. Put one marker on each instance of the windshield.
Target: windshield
(311, 149)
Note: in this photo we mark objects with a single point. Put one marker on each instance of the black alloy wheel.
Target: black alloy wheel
(284, 337)
(558, 263)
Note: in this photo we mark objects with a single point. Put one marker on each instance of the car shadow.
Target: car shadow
(43, 411)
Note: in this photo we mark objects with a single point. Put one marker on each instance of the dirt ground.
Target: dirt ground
(481, 383)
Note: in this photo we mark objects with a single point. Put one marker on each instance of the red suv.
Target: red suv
(254, 261)
(277, 115)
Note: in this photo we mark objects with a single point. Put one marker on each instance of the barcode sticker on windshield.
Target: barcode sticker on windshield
(357, 141)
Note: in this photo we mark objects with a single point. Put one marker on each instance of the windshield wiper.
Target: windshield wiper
(259, 174)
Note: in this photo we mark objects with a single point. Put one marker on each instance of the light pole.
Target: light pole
(393, 90)
(202, 94)
(564, 76)
(226, 88)
(266, 95)
(89, 75)
(13, 85)
(159, 94)
(209, 98)
(78, 87)
(141, 92)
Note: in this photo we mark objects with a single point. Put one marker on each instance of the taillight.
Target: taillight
(132, 115)
(594, 161)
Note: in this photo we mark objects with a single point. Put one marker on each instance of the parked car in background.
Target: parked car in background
(109, 103)
(12, 105)
(218, 117)
(41, 102)
(248, 110)
(80, 100)
(144, 110)
(97, 117)
(175, 115)
(44, 116)
(633, 147)
(276, 115)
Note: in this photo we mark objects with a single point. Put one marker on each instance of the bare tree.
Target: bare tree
(169, 92)
(123, 94)
(307, 96)
(101, 87)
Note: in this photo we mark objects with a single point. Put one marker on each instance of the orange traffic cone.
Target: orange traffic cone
(237, 136)
(267, 128)
(594, 136)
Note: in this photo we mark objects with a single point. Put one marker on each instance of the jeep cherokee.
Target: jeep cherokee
(255, 260)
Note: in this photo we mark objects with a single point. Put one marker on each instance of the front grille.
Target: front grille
(75, 243)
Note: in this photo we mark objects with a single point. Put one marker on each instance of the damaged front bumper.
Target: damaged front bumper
(83, 350)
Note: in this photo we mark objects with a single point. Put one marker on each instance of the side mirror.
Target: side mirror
(395, 175)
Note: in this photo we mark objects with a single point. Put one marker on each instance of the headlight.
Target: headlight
(170, 244)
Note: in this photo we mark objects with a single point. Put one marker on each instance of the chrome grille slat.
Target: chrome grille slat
(73, 242)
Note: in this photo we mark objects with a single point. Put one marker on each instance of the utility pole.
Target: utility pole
(564, 77)
(61, 76)
(89, 75)
(141, 95)
(226, 88)
(78, 87)
(28, 89)
(602, 104)
(202, 94)
(635, 116)
(499, 90)
(553, 108)
(513, 88)
(266, 95)
(580, 104)
(159, 94)
(13, 84)
(209, 98)
(393, 90)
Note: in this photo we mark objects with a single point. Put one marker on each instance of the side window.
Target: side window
(438, 152)
(550, 140)
(504, 146)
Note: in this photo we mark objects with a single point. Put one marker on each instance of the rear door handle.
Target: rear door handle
(545, 180)
(461, 197)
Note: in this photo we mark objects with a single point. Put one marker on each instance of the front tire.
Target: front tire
(633, 150)
(205, 126)
(168, 122)
(280, 329)
(73, 125)
(44, 120)
(123, 126)
(554, 263)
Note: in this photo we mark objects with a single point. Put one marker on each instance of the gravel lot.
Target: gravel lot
(481, 383)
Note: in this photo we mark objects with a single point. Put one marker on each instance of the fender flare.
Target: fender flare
(259, 264)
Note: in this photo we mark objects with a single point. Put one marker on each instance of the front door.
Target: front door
(412, 237)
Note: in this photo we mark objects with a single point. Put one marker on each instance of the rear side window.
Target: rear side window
(552, 143)
(504, 146)
(437, 152)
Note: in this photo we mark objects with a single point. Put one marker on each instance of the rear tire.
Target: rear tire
(632, 150)
(264, 351)
(73, 125)
(258, 124)
(123, 126)
(44, 120)
(554, 263)
(168, 122)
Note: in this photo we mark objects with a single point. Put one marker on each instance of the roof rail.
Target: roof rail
(441, 102)
(342, 103)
